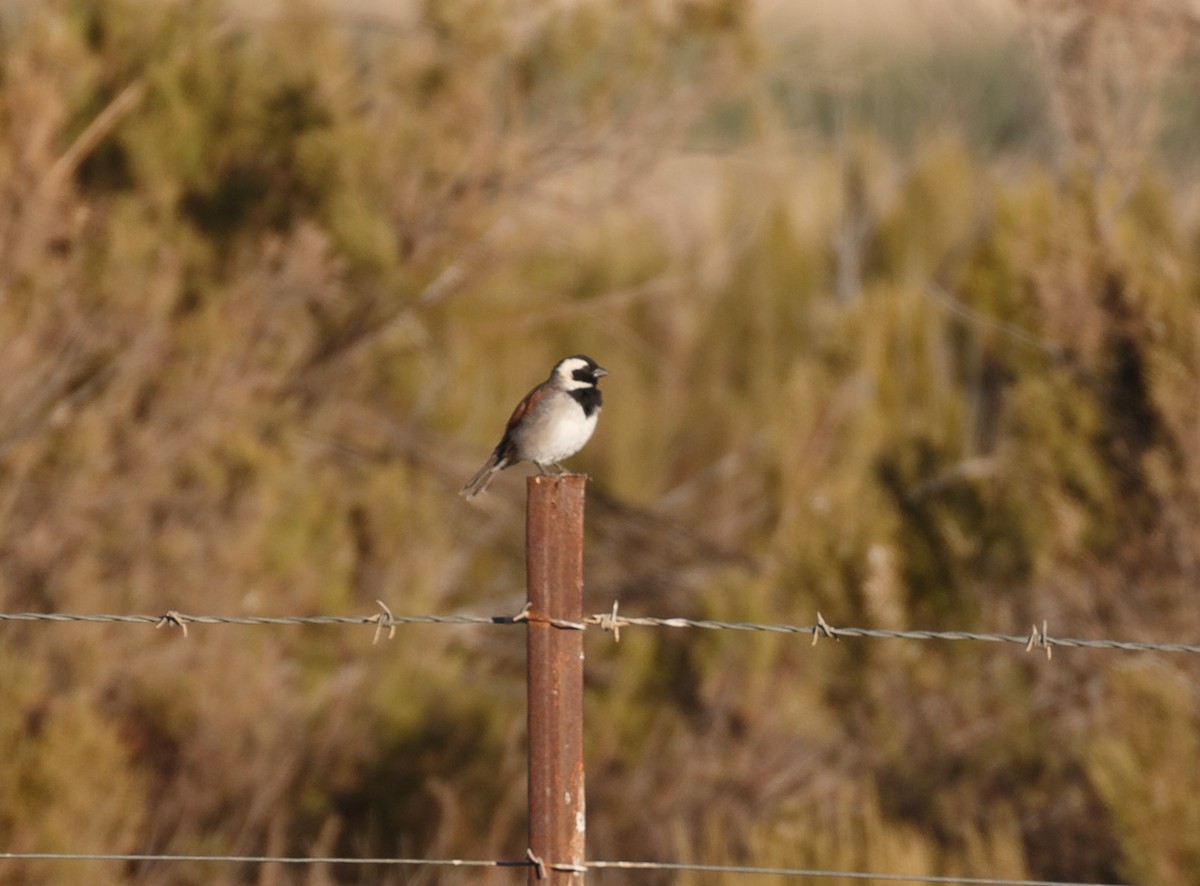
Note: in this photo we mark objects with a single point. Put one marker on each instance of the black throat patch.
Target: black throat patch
(589, 398)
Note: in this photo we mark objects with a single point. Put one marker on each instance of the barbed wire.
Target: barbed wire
(384, 620)
(817, 873)
(532, 860)
(614, 622)
(1037, 638)
(263, 859)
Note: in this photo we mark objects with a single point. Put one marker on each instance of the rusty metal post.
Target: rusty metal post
(554, 564)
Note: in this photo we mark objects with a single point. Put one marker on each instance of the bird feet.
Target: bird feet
(559, 471)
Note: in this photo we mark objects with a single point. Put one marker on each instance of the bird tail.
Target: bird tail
(483, 478)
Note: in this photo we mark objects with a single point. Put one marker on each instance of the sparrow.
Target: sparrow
(552, 422)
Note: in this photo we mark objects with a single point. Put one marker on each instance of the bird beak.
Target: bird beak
(600, 372)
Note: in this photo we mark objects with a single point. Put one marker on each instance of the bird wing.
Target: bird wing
(527, 404)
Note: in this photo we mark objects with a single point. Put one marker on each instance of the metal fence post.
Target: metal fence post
(554, 564)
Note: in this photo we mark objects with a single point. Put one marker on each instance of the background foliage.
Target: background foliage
(903, 323)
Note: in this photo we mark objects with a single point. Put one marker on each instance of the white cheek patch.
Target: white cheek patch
(566, 375)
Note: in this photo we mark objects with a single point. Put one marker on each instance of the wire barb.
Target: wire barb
(537, 863)
(607, 622)
(173, 619)
(1040, 640)
(822, 629)
(383, 620)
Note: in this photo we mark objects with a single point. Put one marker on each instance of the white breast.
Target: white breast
(556, 433)
(567, 437)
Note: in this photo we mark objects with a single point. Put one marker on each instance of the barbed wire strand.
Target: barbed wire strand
(262, 859)
(610, 621)
(817, 873)
(180, 618)
(532, 861)
(1037, 638)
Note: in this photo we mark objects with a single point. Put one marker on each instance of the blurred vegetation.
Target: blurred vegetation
(916, 347)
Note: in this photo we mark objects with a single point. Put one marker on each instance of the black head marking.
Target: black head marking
(589, 372)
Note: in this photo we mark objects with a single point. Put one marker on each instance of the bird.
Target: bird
(551, 423)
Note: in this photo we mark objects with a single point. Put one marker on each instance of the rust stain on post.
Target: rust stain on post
(554, 564)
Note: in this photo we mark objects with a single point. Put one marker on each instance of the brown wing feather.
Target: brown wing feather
(527, 403)
(504, 453)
